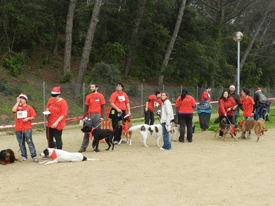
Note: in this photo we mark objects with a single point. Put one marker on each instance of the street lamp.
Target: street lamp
(238, 36)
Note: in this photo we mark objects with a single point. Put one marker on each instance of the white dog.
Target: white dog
(175, 129)
(145, 130)
(58, 155)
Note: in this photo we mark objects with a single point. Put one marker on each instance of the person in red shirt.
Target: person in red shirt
(184, 106)
(247, 103)
(24, 116)
(58, 109)
(205, 95)
(227, 106)
(152, 102)
(93, 111)
(119, 102)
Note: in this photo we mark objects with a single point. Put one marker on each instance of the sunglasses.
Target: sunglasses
(23, 98)
(54, 95)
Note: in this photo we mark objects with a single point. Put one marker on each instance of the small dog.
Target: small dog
(175, 129)
(226, 129)
(125, 130)
(7, 156)
(100, 134)
(250, 124)
(145, 130)
(58, 155)
(262, 122)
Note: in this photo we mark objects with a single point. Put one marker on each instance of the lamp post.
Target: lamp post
(238, 36)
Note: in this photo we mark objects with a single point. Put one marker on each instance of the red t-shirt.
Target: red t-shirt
(20, 125)
(152, 100)
(225, 104)
(247, 106)
(94, 102)
(57, 109)
(186, 105)
(120, 100)
(204, 95)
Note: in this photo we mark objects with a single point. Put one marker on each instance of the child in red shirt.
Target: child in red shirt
(152, 102)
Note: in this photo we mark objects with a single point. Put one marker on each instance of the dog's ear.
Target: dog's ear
(46, 152)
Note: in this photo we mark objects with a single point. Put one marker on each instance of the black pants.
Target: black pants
(149, 116)
(117, 129)
(185, 119)
(54, 133)
(230, 118)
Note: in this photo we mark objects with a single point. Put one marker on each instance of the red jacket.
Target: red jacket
(224, 105)
(186, 105)
(247, 106)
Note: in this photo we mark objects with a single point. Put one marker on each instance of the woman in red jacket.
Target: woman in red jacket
(184, 106)
(227, 105)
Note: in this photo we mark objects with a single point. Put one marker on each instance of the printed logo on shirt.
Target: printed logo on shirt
(22, 114)
(121, 98)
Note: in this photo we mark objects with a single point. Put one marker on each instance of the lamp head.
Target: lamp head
(238, 36)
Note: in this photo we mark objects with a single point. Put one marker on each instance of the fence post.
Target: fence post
(141, 99)
(44, 103)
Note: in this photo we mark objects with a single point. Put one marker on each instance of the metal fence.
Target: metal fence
(39, 95)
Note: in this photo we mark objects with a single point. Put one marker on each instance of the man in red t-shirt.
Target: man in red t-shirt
(24, 116)
(120, 102)
(93, 112)
(152, 102)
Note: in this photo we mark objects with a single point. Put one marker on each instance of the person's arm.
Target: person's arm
(14, 109)
(146, 107)
(128, 108)
(85, 110)
(102, 112)
(54, 125)
(115, 107)
(28, 119)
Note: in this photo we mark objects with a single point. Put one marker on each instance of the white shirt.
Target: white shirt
(167, 113)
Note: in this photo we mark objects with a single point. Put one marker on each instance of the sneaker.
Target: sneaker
(115, 142)
(23, 159)
(81, 150)
(35, 159)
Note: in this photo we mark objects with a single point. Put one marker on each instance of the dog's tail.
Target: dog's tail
(85, 158)
(135, 127)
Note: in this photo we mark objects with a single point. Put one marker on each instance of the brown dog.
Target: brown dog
(262, 122)
(7, 156)
(251, 124)
(125, 130)
(226, 129)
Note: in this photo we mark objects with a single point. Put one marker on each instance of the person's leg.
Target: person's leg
(58, 138)
(189, 118)
(166, 138)
(30, 143)
(85, 142)
(261, 109)
(49, 135)
(147, 116)
(115, 127)
(221, 118)
(182, 127)
(21, 142)
(152, 118)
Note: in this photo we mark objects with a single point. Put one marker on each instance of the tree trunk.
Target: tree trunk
(56, 44)
(253, 38)
(68, 37)
(171, 43)
(134, 36)
(87, 47)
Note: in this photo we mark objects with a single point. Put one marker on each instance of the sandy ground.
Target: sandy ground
(205, 172)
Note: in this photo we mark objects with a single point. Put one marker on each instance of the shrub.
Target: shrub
(105, 74)
(14, 64)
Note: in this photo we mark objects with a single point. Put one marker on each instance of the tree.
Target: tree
(172, 42)
(68, 37)
(87, 47)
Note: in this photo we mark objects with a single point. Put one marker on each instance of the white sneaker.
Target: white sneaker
(23, 159)
(115, 142)
(35, 159)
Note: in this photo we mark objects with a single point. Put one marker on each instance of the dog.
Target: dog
(262, 122)
(145, 130)
(226, 129)
(58, 155)
(250, 124)
(125, 130)
(100, 134)
(7, 157)
(175, 129)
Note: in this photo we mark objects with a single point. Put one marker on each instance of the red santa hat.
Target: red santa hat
(232, 86)
(56, 90)
(23, 96)
(258, 89)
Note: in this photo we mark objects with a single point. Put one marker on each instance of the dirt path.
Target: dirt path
(205, 172)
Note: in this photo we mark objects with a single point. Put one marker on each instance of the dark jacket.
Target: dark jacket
(236, 97)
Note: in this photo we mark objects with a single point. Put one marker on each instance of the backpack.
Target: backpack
(262, 98)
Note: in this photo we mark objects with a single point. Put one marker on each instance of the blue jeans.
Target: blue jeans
(26, 136)
(259, 112)
(166, 138)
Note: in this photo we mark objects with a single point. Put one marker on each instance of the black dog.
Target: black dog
(100, 134)
(7, 156)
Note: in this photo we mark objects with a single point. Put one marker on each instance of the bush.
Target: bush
(105, 74)
(67, 77)
(14, 64)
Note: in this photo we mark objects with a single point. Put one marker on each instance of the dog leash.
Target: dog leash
(228, 120)
(90, 124)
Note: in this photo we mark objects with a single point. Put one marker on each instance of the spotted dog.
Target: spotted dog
(145, 130)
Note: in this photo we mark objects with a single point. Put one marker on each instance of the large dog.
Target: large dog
(58, 155)
(226, 129)
(248, 125)
(145, 130)
(100, 134)
(7, 156)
